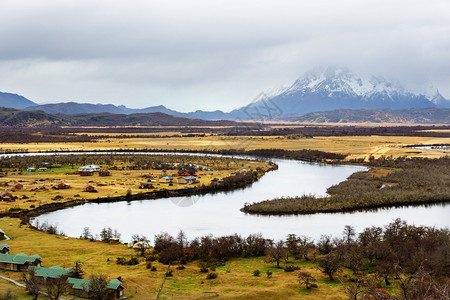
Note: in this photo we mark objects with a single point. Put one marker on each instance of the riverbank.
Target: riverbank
(229, 183)
(389, 183)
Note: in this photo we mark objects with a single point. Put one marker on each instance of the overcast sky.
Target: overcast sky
(212, 54)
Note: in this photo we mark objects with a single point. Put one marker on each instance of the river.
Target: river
(219, 213)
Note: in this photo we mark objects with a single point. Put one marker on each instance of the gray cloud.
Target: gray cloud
(219, 54)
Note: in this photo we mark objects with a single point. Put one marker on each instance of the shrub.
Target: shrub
(269, 274)
(181, 267)
(291, 268)
(211, 275)
(169, 273)
(203, 268)
(148, 265)
(153, 269)
(133, 261)
(256, 273)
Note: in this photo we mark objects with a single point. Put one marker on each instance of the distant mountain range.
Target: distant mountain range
(22, 118)
(15, 101)
(322, 89)
(339, 88)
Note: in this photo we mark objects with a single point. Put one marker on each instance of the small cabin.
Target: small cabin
(190, 172)
(4, 248)
(86, 173)
(31, 169)
(19, 262)
(47, 275)
(6, 195)
(80, 288)
(61, 185)
(146, 185)
(166, 179)
(17, 186)
(104, 173)
(89, 188)
(187, 180)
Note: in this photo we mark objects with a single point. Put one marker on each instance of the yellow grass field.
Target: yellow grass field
(235, 280)
(355, 146)
(38, 185)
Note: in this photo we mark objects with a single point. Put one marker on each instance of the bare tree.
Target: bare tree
(97, 287)
(32, 284)
(349, 234)
(354, 289)
(306, 279)
(276, 252)
(106, 234)
(330, 264)
(56, 287)
(86, 233)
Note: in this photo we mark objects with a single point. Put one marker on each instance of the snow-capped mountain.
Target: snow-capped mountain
(336, 88)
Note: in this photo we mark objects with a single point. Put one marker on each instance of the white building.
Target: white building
(89, 168)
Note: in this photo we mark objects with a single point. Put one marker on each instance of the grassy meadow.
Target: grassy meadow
(235, 279)
(355, 146)
(124, 179)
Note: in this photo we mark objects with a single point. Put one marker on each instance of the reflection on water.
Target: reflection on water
(220, 214)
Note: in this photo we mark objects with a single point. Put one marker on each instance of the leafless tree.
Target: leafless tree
(56, 287)
(32, 284)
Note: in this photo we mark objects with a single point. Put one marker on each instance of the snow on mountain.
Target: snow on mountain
(336, 81)
(337, 88)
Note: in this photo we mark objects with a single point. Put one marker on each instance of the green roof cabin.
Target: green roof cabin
(46, 275)
(4, 248)
(80, 288)
(19, 262)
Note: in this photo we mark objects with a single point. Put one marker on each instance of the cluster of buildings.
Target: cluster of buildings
(75, 286)
(188, 176)
(184, 177)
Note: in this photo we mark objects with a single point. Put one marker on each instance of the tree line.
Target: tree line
(412, 258)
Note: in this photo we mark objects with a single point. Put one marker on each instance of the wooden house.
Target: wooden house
(190, 172)
(17, 186)
(166, 179)
(80, 288)
(6, 195)
(2, 235)
(86, 173)
(187, 179)
(19, 262)
(104, 173)
(61, 185)
(89, 188)
(47, 275)
(4, 248)
(146, 185)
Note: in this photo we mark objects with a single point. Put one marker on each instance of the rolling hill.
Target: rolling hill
(21, 118)
(412, 115)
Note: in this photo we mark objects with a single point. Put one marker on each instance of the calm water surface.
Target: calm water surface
(219, 213)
